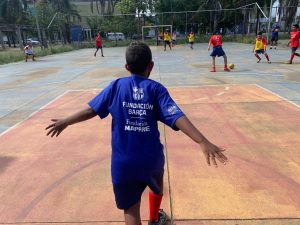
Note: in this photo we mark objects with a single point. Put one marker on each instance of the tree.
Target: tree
(106, 6)
(288, 10)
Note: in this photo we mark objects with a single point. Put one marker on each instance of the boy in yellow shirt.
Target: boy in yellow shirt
(191, 38)
(260, 47)
(167, 39)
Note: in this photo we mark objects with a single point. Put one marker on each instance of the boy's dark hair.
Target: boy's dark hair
(138, 56)
(260, 33)
(296, 25)
(216, 32)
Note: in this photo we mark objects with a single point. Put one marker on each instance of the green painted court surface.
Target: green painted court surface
(252, 111)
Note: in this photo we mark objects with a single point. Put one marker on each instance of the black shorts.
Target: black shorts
(294, 49)
(129, 193)
(260, 51)
(217, 51)
(274, 39)
(98, 47)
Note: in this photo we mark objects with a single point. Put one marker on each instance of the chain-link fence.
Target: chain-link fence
(246, 20)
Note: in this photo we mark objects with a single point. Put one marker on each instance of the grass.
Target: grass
(11, 55)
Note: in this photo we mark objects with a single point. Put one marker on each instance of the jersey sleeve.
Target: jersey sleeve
(264, 41)
(168, 110)
(101, 103)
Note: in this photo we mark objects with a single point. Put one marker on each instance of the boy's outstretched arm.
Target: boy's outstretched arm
(210, 151)
(60, 124)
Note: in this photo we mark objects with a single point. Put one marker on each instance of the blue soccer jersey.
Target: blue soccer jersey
(136, 104)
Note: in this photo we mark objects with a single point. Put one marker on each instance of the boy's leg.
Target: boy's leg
(267, 57)
(132, 215)
(257, 56)
(96, 52)
(33, 59)
(272, 42)
(170, 45)
(293, 54)
(155, 199)
(26, 57)
(102, 52)
(213, 68)
(165, 46)
(225, 63)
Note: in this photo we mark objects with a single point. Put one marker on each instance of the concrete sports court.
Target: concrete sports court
(252, 111)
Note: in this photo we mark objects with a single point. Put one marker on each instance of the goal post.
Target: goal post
(156, 26)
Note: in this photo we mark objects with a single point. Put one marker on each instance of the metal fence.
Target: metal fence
(244, 20)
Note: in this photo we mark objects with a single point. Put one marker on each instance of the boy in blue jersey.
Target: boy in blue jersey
(136, 103)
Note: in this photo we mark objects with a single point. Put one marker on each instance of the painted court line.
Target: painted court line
(32, 114)
(277, 95)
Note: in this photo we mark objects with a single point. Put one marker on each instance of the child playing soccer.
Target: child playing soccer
(167, 39)
(216, 41)
(260, 47)
(294, 42)
(98, 42)
(28, 49)
(191, 38)
(274, 37)
(136, 103)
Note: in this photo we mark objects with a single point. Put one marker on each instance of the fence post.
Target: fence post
(2, 40)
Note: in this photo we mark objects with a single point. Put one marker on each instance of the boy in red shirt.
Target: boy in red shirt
(98, 41)
(216, 41)
(294, 42)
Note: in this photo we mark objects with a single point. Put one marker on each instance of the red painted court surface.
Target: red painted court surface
(67, 179)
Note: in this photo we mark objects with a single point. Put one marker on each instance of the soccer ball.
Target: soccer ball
(231, 66)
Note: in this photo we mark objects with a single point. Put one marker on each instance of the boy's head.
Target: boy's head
(259, 35)
(216, 32)
(295, 27)
(139, 59)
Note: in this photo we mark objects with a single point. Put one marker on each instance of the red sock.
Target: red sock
(297, 54)
(257, 56)
(292, 57)
(267, 57)
(154, 205)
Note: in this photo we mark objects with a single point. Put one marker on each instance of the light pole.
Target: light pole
(37, 25)
(270, 18)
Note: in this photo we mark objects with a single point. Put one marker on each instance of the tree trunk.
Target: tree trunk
(257, 22)
(2, 40)
(20, 38)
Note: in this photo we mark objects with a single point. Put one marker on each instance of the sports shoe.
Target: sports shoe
(213, 69)
(270, 47)
(226, 69)
(258, 61)
(163, 218)
(269, 62)
(289, 62)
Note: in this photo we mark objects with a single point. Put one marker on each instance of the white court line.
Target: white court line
(283, 98)
(32, 114)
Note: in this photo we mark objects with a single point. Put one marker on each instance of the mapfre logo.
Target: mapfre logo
(138, 93)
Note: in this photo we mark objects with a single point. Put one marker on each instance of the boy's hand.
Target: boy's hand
(208, 48)
(56, 128)
(211, 152)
